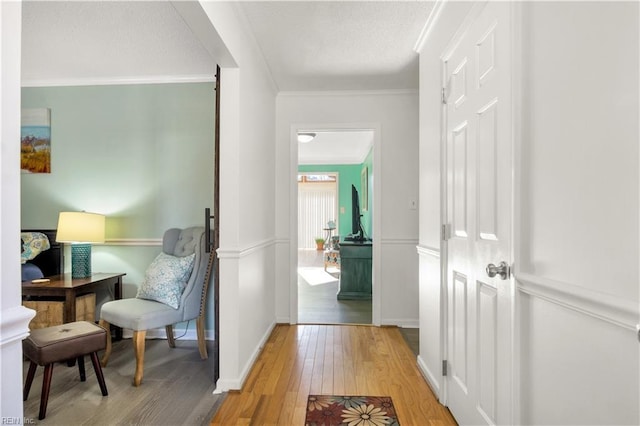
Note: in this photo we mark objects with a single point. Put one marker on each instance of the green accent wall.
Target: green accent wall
(347, 175)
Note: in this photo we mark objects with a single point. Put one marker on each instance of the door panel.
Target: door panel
(460, 330)
(487, 347)
(460, 193)
(487, 174)
(479, 180)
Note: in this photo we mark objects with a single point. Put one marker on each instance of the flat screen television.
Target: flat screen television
(357, 233)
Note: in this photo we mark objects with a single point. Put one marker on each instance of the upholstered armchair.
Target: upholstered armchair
(160, 301)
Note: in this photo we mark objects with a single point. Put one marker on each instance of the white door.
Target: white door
(478, 121)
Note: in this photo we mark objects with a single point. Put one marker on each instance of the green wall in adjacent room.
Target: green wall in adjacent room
(367, 222)
(142, 155)
(347, 175)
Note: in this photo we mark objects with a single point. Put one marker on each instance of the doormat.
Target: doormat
(332, 410)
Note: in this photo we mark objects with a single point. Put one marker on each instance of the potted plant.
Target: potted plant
(319, 243)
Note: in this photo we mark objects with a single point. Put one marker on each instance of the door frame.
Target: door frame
(293, 210)
(516, 245)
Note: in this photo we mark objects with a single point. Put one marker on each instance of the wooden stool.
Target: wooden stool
(46, 346)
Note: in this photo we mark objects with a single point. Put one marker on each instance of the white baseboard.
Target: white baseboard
(401, 322)
(429, 377)
(224, 385)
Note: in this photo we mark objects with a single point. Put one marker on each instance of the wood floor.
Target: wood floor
(318, 304)
(331, 360)
(176, 389)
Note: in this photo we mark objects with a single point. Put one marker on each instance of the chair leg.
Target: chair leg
(107, 349)
(170, 339)
(202, 343)
(138, 348)
(30, 375)
(46, 385)
(83, 376)
(99, 375)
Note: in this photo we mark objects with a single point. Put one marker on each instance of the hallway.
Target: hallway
(303, 360)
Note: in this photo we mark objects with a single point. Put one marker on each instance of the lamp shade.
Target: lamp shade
(80, 227)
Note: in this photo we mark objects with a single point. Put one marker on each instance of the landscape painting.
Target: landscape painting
(35, 141)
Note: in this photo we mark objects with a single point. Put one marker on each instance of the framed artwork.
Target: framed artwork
(35, 141)
(364, 184)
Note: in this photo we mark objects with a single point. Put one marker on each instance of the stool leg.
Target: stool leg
(98, 370)
(83, 376)
(30, 375)
(46, 385)
(107, 350)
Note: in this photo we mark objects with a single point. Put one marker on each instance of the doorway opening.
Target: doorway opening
(328, 166)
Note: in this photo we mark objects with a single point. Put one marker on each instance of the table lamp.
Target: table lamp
(80, 229)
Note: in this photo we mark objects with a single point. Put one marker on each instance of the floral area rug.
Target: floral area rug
(331, 410)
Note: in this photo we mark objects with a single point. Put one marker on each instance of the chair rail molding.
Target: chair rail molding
(616, 310)
(398, 241)
(15, 324)
(428, 251)
(132, 242)
(240, 252)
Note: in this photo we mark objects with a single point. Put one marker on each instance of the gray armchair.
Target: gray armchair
(141, 315)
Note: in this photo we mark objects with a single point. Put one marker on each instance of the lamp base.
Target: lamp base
(80, 260)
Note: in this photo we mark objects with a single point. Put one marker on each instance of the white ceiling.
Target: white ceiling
(339, 45)
(96, 42)
(336, 147)
(307, 45)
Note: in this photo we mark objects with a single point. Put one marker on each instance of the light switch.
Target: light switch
(413, 204)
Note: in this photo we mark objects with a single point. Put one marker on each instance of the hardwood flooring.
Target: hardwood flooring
(176, 389)
(332, 360)
(318, 304)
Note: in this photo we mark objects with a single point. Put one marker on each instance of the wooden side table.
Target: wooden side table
(68, 289)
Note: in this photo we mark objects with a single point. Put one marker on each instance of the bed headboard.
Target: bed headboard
(50, 262)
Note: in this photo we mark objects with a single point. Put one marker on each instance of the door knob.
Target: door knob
(502, 269)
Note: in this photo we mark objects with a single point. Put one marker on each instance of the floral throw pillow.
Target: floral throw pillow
(32, 244)
(166, 278)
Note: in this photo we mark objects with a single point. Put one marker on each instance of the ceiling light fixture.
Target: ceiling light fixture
(306, 137)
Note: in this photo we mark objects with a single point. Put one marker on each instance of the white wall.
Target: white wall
(576, 221)
(14, 319)
(394, 116)
(579, 224)
(247, 198)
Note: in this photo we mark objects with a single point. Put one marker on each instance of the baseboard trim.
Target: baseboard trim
(400, 322)
(429, 377)
(225, 385)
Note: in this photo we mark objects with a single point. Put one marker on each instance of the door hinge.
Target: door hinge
(446, 90)
(445, 232)
(444, 367)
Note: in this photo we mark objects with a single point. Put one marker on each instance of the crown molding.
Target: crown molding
(385, 92)
(432, 20)
(115, 81)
